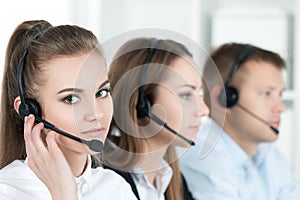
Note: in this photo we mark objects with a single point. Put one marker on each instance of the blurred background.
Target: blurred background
(271, 24)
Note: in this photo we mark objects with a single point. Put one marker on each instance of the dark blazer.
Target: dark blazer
(127, 176)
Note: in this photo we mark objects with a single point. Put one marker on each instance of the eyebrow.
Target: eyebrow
(70, 90)
(78, 90)
(274, 88)
(104, 83)
(187, 85)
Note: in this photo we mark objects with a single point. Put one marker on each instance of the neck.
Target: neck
(77, 161)
(247, 144)
(153, 155)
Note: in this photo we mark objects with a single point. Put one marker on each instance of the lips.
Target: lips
(276, 123)
(94, 132)
(195, 127)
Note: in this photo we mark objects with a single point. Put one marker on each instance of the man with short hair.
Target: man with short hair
(246, 105)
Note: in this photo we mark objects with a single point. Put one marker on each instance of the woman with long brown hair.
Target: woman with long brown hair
(155, 88)
(55, 74)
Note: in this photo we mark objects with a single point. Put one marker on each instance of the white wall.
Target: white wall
(57, 12)
(13, 12)
(120, 16)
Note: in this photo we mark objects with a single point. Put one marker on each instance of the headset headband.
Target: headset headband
(240, 59)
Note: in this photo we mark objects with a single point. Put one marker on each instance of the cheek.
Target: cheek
(66, 143)
(59, 115)
(109, 107)
(106, 108)
(168, 108)
(174, 114)
(258, 105)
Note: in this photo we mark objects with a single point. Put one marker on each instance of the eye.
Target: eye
(103, 93)
(185, 96)
(266, 93)
(281, 93)
(71, 99)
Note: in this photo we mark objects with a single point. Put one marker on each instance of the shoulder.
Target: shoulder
(18, 169)
(107, 174)
(208, 155)
(107, 181)
(109, 177)
(273, 157)
(273, 153)
(186, 192)
(128, 178)
(18, 180)
(275, 161)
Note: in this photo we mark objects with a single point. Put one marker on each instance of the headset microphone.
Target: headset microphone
(144, 104)
(31, 106)
(94, 145)
(160, 122)
(164, 124)
(275, 130)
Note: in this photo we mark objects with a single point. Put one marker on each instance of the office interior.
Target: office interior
(271, 24)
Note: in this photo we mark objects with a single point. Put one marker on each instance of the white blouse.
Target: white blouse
(18, 181)
(162, 180)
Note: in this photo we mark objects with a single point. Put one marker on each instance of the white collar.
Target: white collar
(86, 177)
(162, 179)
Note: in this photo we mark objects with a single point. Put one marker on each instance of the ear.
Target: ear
(17, 104)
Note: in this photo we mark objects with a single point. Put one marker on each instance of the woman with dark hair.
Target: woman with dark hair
(63, 81)
(154, 84)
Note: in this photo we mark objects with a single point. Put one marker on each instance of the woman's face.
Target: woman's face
(77, 100)
(178, 101)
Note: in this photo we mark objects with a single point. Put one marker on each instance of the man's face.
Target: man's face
(260, 85)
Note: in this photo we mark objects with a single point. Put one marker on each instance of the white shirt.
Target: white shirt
(228, 173)
(145, 189)
(18, 181)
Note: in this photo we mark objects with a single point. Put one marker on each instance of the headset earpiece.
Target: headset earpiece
(31, 106)
(144, 104)
(228, 96)
(144, 108)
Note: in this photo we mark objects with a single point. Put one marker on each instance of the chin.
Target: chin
(271, 137)
(274, 138)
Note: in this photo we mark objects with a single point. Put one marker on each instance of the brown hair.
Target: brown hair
(130, 58)
(222, 59)
(45, 42)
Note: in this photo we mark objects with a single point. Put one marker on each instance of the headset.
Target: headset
(229, 95)
(28, 105)
(31, 106)
(144, 104)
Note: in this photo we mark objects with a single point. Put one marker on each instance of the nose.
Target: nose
(202, 109)
(280, 106)
(95, 113)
